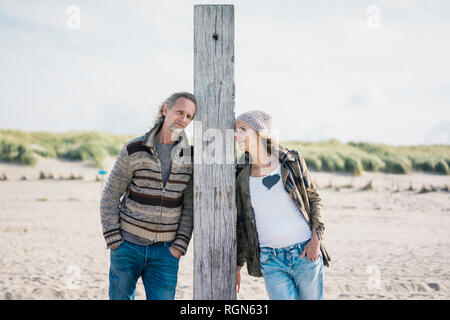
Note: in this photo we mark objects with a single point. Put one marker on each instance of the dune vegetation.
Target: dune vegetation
(356, 157)
(332, 156)
(25, 147)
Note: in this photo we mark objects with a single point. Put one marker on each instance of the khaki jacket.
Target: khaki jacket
(302, 190)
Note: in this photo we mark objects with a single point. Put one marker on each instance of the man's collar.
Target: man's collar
(150, 138)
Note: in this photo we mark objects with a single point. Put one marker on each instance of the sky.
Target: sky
(352, 70)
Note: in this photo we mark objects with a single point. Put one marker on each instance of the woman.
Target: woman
(279, 220)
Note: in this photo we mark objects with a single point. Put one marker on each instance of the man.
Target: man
(146, 206)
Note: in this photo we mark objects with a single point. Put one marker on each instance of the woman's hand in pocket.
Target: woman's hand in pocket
(312, 249)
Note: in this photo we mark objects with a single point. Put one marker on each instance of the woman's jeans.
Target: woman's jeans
(289, 277)
(154, 263)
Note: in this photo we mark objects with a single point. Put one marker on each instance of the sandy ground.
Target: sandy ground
(387, 243)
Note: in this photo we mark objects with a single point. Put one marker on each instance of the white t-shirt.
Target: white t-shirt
(278, 220)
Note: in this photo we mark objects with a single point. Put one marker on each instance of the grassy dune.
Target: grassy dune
(354, 157)
(23, 147)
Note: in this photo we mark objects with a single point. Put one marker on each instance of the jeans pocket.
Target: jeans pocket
(119, 247)
(305, 258)
(170, 253)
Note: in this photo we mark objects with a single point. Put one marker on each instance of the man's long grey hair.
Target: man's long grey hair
(170, 101)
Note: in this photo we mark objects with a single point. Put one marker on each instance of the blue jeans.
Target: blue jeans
(289, 277)
(154, 263)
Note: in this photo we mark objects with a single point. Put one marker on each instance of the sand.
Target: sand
(385, 243)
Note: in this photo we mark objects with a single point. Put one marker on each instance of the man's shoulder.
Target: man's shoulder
(135, 145)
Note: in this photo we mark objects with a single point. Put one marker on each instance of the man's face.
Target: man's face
(180, 115)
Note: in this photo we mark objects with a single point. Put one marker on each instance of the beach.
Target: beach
(388, 242)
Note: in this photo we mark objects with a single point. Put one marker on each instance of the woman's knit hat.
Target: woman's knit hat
(259, 121)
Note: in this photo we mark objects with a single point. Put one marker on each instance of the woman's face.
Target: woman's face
(245, 136)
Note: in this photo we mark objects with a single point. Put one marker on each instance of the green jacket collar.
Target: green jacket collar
(284, 156)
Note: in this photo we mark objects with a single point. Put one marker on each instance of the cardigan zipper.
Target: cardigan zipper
(163, 189)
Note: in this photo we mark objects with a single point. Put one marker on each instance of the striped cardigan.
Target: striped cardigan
(135, 200)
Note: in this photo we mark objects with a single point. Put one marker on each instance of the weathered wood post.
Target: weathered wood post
(214, 172)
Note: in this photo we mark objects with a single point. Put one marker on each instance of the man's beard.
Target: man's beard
(175, 132)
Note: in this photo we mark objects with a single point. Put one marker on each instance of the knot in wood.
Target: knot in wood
(215, 36)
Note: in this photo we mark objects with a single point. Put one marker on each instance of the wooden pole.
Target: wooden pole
(214, 175)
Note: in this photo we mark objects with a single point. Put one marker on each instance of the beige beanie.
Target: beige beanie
(259, 121)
